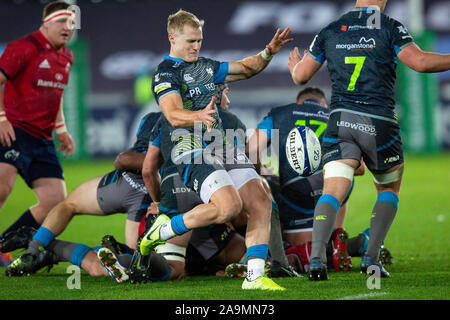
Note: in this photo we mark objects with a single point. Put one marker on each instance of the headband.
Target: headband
(58, 15)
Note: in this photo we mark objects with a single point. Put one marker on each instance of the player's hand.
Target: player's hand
(152, 209)
(7, 135)
(294, 58)
(278, 41)
(205, 115)
(66, 143)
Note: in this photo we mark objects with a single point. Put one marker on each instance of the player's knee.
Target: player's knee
(5, 190)
(227, 210)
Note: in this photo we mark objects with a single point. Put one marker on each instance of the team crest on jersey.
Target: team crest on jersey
(210, 71)
(58, 76)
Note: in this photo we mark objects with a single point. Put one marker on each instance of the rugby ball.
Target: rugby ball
(303, 150)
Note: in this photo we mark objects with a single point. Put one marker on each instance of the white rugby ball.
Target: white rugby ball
(303, 150)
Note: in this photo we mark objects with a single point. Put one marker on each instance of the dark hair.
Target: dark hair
(311, 93)
(53, 7)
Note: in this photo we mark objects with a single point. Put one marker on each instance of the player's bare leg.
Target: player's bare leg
(50, 192)
(8, 174)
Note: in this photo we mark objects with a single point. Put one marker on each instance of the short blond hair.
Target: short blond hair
(178, 20)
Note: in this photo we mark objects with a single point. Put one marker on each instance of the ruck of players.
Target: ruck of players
(199, 197)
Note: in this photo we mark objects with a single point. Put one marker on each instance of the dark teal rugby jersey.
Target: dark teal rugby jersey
(361, 60)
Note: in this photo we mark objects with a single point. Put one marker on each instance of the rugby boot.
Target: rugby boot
(239, 270)
(367, 262)
(261, 283)
(317, 270)
(385, 256)
(151, 238)
(112, 244)
(28, 264)
(17, 239)
(277, 270)
(110, 262)
(341, 258)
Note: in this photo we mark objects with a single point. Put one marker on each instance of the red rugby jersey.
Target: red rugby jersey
(37, 74)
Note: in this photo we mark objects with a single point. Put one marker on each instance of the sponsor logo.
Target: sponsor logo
(364, 128)
(162, 86)
(44, 64)
(364, 44)
(392, 159)
(196, 185)
(202, 89)
(329, 154)
(12, 155)
(51, 84)
(181, 190)
(135, 185)
(321, 217)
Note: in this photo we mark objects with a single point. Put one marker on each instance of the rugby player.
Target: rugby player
(35, 71)
(361, 60)
(220, 174)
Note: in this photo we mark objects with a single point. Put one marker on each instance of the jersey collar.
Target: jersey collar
(174, 59)
(366, 8)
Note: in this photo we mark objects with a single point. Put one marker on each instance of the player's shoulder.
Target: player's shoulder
(152, 116)
(27, 43)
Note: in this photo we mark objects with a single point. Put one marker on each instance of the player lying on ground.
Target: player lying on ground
(117, 192)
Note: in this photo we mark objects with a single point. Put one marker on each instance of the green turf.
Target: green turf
(418, 241)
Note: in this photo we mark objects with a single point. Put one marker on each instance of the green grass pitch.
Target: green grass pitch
(418, 239)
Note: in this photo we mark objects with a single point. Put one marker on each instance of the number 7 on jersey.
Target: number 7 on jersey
(358, 61)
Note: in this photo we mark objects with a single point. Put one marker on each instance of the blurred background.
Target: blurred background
(122, 41)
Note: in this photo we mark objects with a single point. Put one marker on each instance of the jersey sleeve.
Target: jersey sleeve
(317, 48)
(165, 82)
(15, 58)
(221, 73)
(267, 126)
(400, 37)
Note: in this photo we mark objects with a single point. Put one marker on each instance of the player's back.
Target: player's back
(362, 58)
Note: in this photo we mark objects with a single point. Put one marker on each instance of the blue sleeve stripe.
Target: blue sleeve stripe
(390, 197)
(267, 125)
(330, 140)
(157, 141)
(140, 127)
(320, 58)
(328, 198)
(221, 74)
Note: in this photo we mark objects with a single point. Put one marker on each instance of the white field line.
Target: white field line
(363, 296)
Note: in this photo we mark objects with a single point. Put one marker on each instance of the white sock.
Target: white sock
(255, 268)
(166, 232)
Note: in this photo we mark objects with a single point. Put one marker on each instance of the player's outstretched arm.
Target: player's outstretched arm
(421, 61)
(251, 66)
(302, 69)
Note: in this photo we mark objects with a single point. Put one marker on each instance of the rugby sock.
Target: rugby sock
(26, 219)
(42, 238)
(160, 268)
(174, 228)
(355, 245)
(256, 260)
(276, 247)
(383, 215)
(324, 218)
(62, 249)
